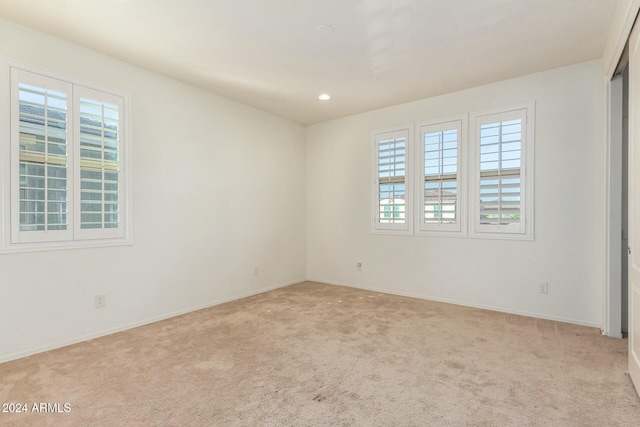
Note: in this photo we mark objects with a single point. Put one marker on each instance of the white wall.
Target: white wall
(567, 250)
(239, 179)
(218, 189)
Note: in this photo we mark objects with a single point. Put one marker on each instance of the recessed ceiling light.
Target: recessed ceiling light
(324, 97)
(324, 29)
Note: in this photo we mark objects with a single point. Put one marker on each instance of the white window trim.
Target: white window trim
(526, 229)
(442, 230)
(396, 229)
(6, 170)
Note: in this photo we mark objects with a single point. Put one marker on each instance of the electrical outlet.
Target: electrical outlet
(543, 287)
(101, 301)
(359, 265)
(255, 271)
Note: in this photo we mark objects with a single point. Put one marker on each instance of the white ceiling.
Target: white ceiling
(268, 53)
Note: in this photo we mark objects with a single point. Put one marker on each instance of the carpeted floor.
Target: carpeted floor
(320, 355)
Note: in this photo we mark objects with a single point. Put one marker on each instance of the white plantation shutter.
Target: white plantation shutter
(392, 165)
(41, 163)
(500, 160)
(440, 176)
(392, 207)
(501, 172)
(441, 171)
(67, 173)
(99, 167)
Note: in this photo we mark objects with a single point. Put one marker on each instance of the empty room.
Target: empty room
(319, 213)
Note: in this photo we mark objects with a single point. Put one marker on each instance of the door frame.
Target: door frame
(612, 291)
(612, 298)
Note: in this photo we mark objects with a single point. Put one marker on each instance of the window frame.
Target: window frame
(9, 167)
(459, 122)
(524, 230)
(405, 228)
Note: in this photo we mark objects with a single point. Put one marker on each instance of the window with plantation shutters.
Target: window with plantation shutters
(392, 196)
(440, 193)
(67, 169)
(100, 137)
(503, 143)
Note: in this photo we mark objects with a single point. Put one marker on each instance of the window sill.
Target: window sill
(56, 246)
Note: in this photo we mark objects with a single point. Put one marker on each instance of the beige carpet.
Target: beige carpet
(320, 355)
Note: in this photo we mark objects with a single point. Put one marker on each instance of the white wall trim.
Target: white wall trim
(64, 343)
(623, 22)
(405, 229)
(621, 38)
(442, 230)
(527, 170)
(464, 304)
(612, 289)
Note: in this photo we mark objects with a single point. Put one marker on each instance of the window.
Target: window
(392, 202)
(440, 192)
(503, 173)
(68, 165)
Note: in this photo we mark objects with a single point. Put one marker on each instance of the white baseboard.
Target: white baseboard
(18, 355)
(64, 343)
(466, 304)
